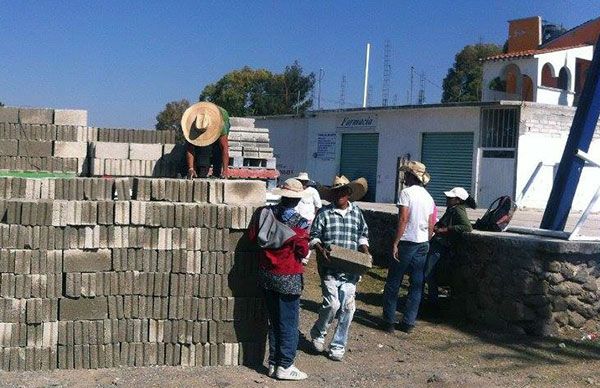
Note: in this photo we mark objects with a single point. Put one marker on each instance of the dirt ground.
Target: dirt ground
(441, 352)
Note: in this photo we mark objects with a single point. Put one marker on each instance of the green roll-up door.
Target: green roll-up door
(449, 160)
(359, 159)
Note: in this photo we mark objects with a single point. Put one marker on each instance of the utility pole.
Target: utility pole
(365, 90)
(321, 75)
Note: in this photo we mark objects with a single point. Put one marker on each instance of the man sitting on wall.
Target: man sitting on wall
(204, 124)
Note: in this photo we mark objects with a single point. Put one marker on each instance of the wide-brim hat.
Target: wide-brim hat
(418, 169)
(303, 176)
(358, 187)
(202, 123)
(291, 188)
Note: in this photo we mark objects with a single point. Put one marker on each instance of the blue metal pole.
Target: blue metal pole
(580, 138)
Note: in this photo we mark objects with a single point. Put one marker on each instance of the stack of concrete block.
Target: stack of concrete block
(101, 273)
(131, 159)
(250, 145)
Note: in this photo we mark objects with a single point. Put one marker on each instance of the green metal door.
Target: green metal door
(449, 160)
(359, 159)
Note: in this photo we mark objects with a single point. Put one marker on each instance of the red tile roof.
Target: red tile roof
(530, 53)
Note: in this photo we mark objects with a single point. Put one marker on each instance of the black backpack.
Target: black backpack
(498, 215)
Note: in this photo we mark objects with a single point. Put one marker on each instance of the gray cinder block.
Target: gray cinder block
(8, 147)
(35, 148)
(70, 149)
(70, 117)
(87, 261)
(244, 192)
(9, 115)
(349, 260)
(36, 116)
(139, 151)
(109, 150)
(84, 308)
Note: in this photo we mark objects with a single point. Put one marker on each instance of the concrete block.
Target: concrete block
(84, 308)
(70, 149)
(243, 192)
(35, 148)
(349, 260)
(9, 115)
(36, 116)
(8, 147)
(109, 150)
(145, 151)
(70, 117)
(87, 261)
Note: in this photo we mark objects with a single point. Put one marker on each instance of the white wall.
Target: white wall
(400, 132)
(538, 147)
(288, 137)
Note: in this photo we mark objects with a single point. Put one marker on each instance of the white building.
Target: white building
(491, 149)
(539, 65)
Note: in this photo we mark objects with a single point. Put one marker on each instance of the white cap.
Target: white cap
(457, 192)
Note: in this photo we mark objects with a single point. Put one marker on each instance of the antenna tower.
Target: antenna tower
(421, 88)
(387, 73)
(342, 101)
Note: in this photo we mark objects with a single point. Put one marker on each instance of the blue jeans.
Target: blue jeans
(283, 311)
(339, 299)
(412, 257)
(436, 250)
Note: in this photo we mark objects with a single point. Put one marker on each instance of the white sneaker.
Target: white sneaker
(318, 345)
(336, 354)
(290, 373)
(271, 372)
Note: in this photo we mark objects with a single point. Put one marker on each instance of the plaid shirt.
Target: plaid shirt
(330, 227)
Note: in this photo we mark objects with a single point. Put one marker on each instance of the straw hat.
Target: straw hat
(303, 176)
(357, 187)
(418, 169)
(291, 188)
(202, 123)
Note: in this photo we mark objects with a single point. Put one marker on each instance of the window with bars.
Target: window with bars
(499, 127)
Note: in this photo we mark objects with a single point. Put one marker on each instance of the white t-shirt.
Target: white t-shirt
(420, 207)
(306, 206)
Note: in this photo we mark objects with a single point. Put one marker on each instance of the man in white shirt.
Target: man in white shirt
(309, 204)
(409, 251)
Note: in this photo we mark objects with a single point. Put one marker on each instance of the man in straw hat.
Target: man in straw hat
(282, 234)
(340, 223)
(409, 251)
(311, 203)
(204, 124)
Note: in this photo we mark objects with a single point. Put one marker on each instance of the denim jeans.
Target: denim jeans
(436, 250)
(339, 299)
(412, 257)
(283, 311)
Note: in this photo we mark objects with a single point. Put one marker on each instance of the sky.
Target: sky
(122, 61)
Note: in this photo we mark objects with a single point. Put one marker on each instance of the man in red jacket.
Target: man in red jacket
(282, 233)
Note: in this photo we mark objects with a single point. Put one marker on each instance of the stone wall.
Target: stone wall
(529, 283)
(509, 281)
(101, 273)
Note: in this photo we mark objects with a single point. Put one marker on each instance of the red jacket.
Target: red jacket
(287, 259)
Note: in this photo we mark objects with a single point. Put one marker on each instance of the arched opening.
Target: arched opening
(513, 79)
(548, 76)
(563, 78)
(527, 91)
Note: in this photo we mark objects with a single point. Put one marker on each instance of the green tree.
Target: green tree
(257, 92)
(1, 104)
(170, 117)
(463, 81)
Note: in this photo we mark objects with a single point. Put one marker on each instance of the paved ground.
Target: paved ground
(523, 217)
